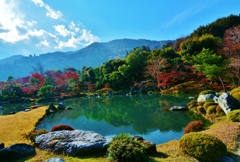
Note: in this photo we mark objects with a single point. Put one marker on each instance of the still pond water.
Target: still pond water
(145, 115)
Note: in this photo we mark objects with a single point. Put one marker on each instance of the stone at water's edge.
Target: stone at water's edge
(72, 142)
(228, 103)
(55, 160)
(178, 108)
(206, 97)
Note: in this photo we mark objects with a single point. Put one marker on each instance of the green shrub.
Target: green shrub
(207, 92)
(202, 146)
(61, 127)
(123, 148)
(234, 116)
(201, 110)
(207, 104)
(34, 133)
(194, 126)
(211, 109)
(235, 93)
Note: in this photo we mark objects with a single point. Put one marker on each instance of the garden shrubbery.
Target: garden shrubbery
(234, 116)
(34, 133)
(61, 127)
(123, 148)
(235, 93)
(194, 126)
(202, 146)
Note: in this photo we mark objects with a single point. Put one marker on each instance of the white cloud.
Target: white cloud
(53, 14)
(43, 43)
(15, 27)
(31, 23)
(73, 27)
(88, 37)
(50, 12)
(38, 2)
(62, 30)
(11, 22)
(82, 37)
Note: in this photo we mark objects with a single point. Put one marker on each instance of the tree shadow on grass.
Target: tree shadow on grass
(158, 155)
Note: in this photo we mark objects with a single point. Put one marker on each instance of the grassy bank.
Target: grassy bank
(13, 127)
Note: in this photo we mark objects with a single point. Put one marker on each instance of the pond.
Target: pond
(144, 115)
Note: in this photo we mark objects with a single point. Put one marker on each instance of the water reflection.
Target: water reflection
(144, 115)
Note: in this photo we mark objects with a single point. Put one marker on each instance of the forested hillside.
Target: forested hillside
(92, 55)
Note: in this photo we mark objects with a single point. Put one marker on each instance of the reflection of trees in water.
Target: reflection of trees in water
(141, 112)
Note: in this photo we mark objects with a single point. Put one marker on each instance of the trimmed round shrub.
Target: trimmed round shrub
(194, 126)
(235, 93)
(123, 148)
(34, 133)
(201, 110)
(206, 104)
(211, 109)
(202, 146)
(234, 116)
(60, 127)
(207, 92)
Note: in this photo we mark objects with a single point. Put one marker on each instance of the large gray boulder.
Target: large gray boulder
(16, 151)
(228, 103)
(206, 97)
(72, 142)
(55, 160)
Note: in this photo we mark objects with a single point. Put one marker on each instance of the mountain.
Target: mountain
(93, 55)
(10, 59)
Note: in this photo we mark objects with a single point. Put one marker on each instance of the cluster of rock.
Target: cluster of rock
(225, 101)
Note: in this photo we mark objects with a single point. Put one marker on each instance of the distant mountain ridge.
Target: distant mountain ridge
(93, 55)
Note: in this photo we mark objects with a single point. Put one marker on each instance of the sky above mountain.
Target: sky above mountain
(41, 26)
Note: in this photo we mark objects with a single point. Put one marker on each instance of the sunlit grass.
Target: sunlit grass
(14, 127)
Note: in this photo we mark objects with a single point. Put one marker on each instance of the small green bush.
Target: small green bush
(201, 110)
(123, 148)
(194, 126)
(34, 133)
(235, 93)
(207, 104)
(61, 127)
(234, 116)
(202, 146)
(211, 109)
(207, 92)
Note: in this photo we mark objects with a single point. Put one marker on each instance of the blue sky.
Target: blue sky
(41, 26)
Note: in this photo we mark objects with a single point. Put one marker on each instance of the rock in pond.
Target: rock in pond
(73, 142)
(206, 97)
(178, 108)
(55, 160)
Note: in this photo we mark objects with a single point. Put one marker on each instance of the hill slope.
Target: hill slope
(92, 55)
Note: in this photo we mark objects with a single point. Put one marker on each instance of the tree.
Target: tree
(194, 45)
(46, 92)
(38, 68)
(211, 64)
(231, 42)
